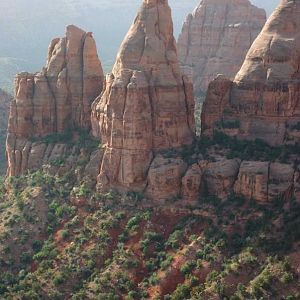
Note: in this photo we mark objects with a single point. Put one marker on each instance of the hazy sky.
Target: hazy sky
(28, 26)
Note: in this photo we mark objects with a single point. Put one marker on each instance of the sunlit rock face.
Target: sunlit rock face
(54, 100)
(147, 105)
(216, 37)
(263, 101)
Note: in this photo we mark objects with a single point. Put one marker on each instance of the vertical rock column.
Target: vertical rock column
(147, 105)
(56, 99)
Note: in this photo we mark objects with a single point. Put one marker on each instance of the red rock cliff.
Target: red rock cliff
(54, 100)
(263, 101)
(147, 105)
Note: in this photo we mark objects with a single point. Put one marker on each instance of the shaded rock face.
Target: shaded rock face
(216, 37)
(263, 101)
(55, 100)
(147, 105)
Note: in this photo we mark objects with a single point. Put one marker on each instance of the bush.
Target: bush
(64, 234)
(150, 238)
(26, 258)
(83, 191)
(175, 239)
(182, 292)
(58, 279)
(188, 267)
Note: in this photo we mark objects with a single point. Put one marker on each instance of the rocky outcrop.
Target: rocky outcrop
(263, 182)
(216, 37)
(263, 101)
(164, 178)
(53, 101)
(219, 177)
(147, 105)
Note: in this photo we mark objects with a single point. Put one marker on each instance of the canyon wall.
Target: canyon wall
(216, 37)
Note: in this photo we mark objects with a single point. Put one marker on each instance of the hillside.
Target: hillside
(63, 240)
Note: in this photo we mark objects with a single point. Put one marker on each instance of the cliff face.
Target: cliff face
(55, 100)
(215, 39)
(147, 105)
(263, 100)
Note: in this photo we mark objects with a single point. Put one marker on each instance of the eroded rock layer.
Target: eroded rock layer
(264, 182)
(147, 105)
(263, 101)
(216, 37)
(54, 100)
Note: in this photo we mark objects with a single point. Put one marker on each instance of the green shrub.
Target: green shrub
(182, 292)
(228, 124)
(188, 267)
(83, 191)
(58, 279)
(64, 234)
(174, 240)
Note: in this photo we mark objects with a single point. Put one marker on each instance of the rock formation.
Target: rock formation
(147, 105)
(263, 101)
(264, 182)
(55, 100)
(216, 37)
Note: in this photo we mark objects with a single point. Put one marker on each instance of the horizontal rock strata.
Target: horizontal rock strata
(147, 105)
(55, 100)
(263, 101)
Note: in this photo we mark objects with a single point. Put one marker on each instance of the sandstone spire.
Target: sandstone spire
(56, 99)
(215, 39)
(264, 98)
(147, 105)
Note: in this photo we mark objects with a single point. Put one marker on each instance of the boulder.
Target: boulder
(164, 178)
(192, 183)
(220, 176)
